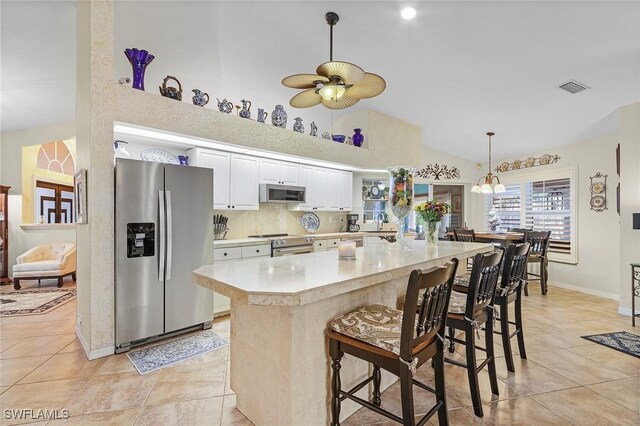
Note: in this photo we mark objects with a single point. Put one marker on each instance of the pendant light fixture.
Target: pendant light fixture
(335, 84)
(488, 187)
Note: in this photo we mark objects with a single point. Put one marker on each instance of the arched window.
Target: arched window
(55, 157)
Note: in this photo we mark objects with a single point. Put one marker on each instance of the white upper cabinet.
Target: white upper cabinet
(245, 178)
(278, 172)
(333, 187)
(235, 178)
(220, 163)
(346, 180)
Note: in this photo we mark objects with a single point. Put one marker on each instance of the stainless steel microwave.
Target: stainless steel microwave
(271, 193)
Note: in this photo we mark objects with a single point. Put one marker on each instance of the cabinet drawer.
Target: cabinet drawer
(256, 251)
(320, 245)
(232, 253)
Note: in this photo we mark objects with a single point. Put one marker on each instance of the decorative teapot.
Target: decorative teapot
(171, 92)
(245, 112)
(200, 99)
(225, 105)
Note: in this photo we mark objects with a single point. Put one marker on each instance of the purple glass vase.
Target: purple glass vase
(184, 160)
(139, 59)
(358, 137)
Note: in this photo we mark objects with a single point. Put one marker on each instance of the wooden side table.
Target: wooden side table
(635, 291)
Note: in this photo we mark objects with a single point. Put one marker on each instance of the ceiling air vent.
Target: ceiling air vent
(573, 87)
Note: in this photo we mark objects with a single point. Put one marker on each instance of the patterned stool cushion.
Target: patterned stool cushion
(457, 303)
(377, 325)
(462, 280)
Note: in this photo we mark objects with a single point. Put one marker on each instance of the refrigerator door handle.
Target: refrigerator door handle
(169, 236)
(161, 243)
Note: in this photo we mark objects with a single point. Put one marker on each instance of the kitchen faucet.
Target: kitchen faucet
(379, 220)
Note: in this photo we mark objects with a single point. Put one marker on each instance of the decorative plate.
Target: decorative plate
(310, 221)
(159, 156)
(597, 201)
(597, 187)
(375, 191)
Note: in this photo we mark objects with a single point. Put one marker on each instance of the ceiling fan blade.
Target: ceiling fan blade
(344, 102)
(348, 72)
(305, 99)
(371, 85)
(302, 81)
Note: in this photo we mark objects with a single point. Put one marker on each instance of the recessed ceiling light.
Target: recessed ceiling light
(408, 13)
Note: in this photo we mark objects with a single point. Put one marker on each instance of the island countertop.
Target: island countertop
(306, 278)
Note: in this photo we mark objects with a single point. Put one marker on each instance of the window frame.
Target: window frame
(525, 176)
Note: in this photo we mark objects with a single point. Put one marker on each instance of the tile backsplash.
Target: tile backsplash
(274, 218)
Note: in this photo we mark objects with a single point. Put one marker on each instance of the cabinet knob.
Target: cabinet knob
(233, 207)
(225, 254)
(228, 207)
(258, 251)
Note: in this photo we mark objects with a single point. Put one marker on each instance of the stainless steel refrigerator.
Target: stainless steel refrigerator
(163, 231)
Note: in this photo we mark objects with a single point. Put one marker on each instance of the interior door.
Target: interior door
(189, 245)
(139, 286)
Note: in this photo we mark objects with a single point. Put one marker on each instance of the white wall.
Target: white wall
(607, 244)
(12, 143)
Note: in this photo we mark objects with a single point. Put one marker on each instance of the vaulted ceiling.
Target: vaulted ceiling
(458, 69)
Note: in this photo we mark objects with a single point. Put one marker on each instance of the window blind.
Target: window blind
(508, 207)
(548, 207)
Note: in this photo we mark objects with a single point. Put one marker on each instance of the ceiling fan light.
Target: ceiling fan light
(486, 189)
(476, 189)
(499, 189)
(332, 91)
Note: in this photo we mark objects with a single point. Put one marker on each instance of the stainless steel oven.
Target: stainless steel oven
(291, 246)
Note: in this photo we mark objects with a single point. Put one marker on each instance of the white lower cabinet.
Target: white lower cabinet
(222, 304)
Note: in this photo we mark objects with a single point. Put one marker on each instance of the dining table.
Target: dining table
(501, 238)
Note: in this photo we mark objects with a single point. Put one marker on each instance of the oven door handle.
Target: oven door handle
(293, 250)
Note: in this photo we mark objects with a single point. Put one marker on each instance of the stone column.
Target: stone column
(95, 111)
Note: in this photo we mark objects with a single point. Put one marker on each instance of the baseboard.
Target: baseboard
(624, 311)
(592, 292)
(98, 353)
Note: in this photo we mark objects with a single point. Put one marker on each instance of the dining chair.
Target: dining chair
(510, 291)
(467, 313)
(465, 235)
(398, 341)
(539, 242)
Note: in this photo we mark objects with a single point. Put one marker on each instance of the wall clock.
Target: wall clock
(598, 190)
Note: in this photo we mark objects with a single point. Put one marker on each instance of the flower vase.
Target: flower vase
(358, 137)
(433, 228)
(401, 197)
(139, 59)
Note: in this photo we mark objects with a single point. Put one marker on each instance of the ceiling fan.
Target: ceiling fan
(336, 84)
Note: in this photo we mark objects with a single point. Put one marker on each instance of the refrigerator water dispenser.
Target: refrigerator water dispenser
(140, 239)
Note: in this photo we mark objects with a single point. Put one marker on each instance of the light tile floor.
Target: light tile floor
(565, 380)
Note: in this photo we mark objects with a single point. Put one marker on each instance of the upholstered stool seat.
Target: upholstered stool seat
(55, 260)
(377, 325)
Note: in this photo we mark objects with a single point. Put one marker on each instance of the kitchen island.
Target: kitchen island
(280, 310)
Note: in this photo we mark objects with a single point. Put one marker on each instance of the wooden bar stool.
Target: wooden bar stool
(510, 291)
(539, 242)
(397, 341)
(467, 236)
(467, 312)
